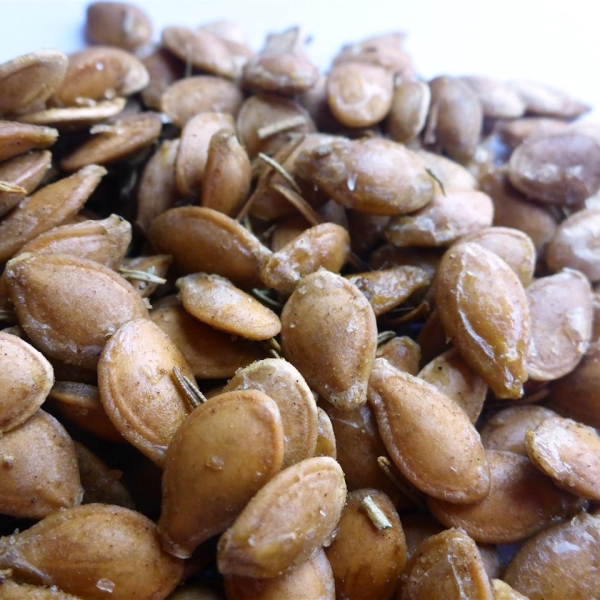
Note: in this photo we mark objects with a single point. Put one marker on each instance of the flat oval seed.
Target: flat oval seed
(164, 69)
(574, 245)
(18, 138)
(188, 97)
(560, 562)
(217, 302)
(558, 169)
(541, 99)
(26, 378)
(39, 469)
(326, 442)
(505, 430)
(68, 306)
(204, 240)
(126, 136)
(422, 429)
(569, 453)
(282, 382)
(358, 94)
(294, 514)
(125, 554)
(454, 378)
(561, 324)
(367, 559)
(100, 73)
(80, 404)
(329, 333)
(484, 310)
(25, 171)
(224, 453)
(312, 579)
(373, 175)
(117, 24)
(408, 113)
(446, 218)
(104, 241)
(210, 354)
(326, 245)
(446, 565)
(29, 80)
(47, 208)
(401, 352)
(138, 388)
(513, 246)
(498, 100)
(521, 501)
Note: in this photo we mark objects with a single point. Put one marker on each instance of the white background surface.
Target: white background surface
(556, 42)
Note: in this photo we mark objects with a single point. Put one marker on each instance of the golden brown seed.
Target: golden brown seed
(569, 453)
(281, 66)
(76, 117)
(145, 273)
(100, 483)
(104, 241)
(227, 174)
(484, 310)
(359, 95)
(47, 208)
(100, 73)
(211, 354)
(513, 246)
(23, 591)
(505, 430)
(408, 112)
(326, 442)
(329, 334)
(449, 174)
(123, 138)
(455, 117)
(295, 513)
(211, 474)
(185, 98)
(557, 169)
(18, 138)
(39, 469)
(282, 382)
(521, 501)
(503, 591)
(388, 288)
(323, 246)
(446, 565)
(80, 404)
(157, 192)
(373, 175)
(138, 388)
(68, 306)
(217, 302)
(204, 240)
(446, 218)
(545, 101)
(312, 579)
(560, 562)
(193, 149)
(117, 24)
(164, 69)
(26, 378)
(26, 172)
(205, 51)
(266, 121)
(574, 245)
(367, 559)
(91, 549)
(561, 324)
(29, 80)
(454, 378)
(401, 352)
(422, 429)
(498, 100)
(516, 131)
(359, 445)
